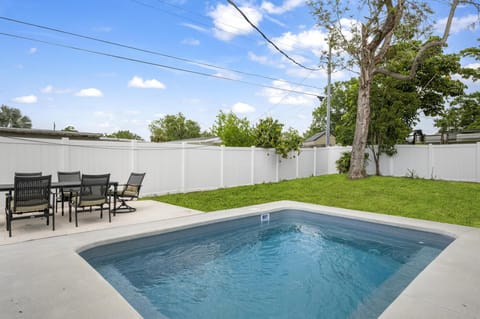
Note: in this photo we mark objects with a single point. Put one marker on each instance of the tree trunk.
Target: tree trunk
(357, 160)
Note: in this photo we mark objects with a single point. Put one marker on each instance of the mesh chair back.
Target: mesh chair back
(69, 176)
(136, 179)
(31, 191)
(132, 188)
(94, 187)
(22, 174)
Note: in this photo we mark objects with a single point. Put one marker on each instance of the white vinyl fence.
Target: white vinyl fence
(173, 168)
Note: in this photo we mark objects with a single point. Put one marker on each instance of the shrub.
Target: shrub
(343, 163)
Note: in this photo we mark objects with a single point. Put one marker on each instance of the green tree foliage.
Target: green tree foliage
(126, 134)
(13, 118)
(343, 98)
(269, 134)
(233, 131)
(474, 53)
(173, 127)
(70, 128)
(463, 115)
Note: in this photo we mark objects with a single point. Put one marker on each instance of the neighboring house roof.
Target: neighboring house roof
(39, 133)
(315, 137)
(212, 140)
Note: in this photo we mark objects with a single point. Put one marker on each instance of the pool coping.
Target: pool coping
(46, 278)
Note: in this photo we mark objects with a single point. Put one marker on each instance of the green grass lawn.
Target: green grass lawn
(449, 202)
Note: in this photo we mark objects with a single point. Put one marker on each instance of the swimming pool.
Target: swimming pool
(291, 264)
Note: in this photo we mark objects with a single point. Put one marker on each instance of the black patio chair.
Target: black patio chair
(93, 192)
(130, 191)
(30, 199)
(65, 195)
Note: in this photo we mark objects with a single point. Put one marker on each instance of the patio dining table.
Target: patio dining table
(61, 185)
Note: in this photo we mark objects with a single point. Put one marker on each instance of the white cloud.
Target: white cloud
(138, 82)
(242, 108)
(286, 6)
(191, 41)
(228, 75)
(230, 23)
(32, 50)
(49, 89)
(195, 27)
(473, 66)
(262, 59)
(313, 39)
(91, 92)
(280, 96)
(468, 22)
(27, 99)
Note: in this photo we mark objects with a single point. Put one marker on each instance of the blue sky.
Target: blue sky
(96, 93)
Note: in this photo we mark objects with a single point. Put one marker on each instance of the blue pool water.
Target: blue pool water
(295, 265)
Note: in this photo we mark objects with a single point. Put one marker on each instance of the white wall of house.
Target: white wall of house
(173, 168)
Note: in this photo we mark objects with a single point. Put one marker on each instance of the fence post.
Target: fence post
(296, 165)
(477, 173)
(391, 163)
(314, 161)
(277, 168)
(252, 165)
(65, 154)
(182, 173)
(133, 155)
(222, 154)
(430, 166)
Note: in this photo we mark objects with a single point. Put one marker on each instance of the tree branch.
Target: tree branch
(423, 49)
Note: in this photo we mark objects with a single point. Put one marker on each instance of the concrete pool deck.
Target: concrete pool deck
(42, 275)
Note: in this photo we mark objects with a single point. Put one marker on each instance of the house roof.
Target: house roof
(315, 137)
(211, 140)
(27, 132)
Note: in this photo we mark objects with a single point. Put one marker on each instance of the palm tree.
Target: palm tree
(12, 117)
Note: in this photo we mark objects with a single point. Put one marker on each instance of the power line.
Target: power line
(152, 63)
(268, 40)
(126, 46)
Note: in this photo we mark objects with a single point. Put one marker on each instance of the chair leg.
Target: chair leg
(70, 211)
(53, 219)
(9, 225)
(101, 211)
(109, 212)
(76, 217)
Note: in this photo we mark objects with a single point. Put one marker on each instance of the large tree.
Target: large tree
(12, 117)
(173, 127)
(394, 103)
(367, 42)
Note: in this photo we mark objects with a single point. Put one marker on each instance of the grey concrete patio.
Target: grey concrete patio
(42, 275)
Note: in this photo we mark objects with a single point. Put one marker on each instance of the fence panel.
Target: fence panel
(265, 166)
(202, 168)
(163, 165)
(305, 162)
(237, 166)
(454, 162)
